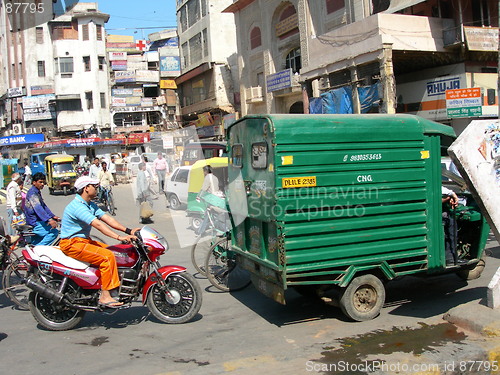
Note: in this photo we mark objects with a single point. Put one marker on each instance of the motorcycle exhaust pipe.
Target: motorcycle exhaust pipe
(44, 291)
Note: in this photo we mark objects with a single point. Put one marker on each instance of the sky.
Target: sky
(137, 17)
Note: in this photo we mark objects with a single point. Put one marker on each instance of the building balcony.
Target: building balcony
(361, 42)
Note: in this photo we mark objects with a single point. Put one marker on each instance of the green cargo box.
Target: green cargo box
(347, 201)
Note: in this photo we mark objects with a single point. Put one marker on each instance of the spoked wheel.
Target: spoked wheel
(12, 285)
(51, 315)
(199, 253)
(195, 222)
(110, 204)
(222, 270)
(180, 304)
(363, 298)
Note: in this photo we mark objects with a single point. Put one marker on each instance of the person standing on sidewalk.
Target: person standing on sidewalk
(27, 174)
(38, 215)
(95, 168)
(14, 200)
(161, 168)
(112, 169)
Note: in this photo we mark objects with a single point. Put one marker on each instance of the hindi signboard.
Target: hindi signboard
(464, 102)
(280, 80)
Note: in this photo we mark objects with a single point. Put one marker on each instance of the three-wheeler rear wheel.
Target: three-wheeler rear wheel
(363, 298)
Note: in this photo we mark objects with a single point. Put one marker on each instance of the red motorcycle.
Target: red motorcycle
(63, 288)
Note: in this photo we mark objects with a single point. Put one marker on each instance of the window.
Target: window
(65, 65)
(69, 105)
(288, 23)
(203, 8)
(185, 54)
(85, 32)
(183, 18)
(65, 30)
(98, 31)
(334, 5)
(259, 155)
(182, 175)
(86, 63)
(41, 68)
(39, 35)
(255, 38)
(193, 10)
(237, 155)
(13, 71)
(195, 48)
(205, 43)
(294, 61)
(103, 99)
(89, 100)
(380, 5)
(102, 62)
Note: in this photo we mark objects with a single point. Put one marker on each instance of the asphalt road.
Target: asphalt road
(239, 333)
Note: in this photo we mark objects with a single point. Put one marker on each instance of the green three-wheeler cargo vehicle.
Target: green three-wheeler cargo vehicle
(344, 201)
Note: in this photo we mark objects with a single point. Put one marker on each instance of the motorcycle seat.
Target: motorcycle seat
(49, 254)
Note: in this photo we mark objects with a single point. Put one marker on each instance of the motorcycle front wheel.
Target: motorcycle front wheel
(181, 305)
(51, 315)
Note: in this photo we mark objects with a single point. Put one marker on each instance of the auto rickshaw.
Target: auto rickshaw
(345, 203)
(195, 209)
(60, 173)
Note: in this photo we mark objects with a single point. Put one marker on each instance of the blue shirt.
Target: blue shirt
(35, 208)
(77, 218)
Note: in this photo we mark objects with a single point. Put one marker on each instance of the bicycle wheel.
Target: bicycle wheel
(222, 270)
(13, 288)
(199, 252)
(111, 204)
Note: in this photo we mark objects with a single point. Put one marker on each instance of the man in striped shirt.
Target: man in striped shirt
(78, 219)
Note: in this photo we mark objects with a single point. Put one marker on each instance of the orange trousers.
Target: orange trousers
(95, 253)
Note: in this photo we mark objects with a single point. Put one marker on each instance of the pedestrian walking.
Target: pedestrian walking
(14, 201)
(143, 194)
(160, 166)
(27, 174)
(112, 170)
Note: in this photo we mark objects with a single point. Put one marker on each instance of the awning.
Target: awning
(397, 5)
(237, 5)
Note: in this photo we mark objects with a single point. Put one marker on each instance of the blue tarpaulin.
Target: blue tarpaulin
(368, 96)
(332, 102)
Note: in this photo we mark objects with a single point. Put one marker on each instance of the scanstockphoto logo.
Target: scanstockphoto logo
(26, 14)
(258, 199)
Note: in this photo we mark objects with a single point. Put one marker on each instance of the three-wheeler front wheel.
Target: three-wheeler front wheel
(363, 298)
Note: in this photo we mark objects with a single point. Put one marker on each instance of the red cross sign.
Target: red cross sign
(141, 45)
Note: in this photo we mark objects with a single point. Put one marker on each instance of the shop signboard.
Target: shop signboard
(464, 102)
(280, 80)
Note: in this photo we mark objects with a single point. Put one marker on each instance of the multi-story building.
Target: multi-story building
(53, 78)
(367, 56)
(208, 88)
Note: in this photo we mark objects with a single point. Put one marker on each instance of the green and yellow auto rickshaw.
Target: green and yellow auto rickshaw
(195, 209)
(60, 173)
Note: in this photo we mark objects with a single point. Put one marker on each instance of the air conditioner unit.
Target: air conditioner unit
(17, 129)
(254, 94)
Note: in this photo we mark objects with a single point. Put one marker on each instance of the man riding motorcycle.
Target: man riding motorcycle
(78, 219)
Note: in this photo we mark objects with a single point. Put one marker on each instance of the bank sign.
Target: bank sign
(464, 102)
(21, 139)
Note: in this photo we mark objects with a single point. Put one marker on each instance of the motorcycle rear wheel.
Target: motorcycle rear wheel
(187, 299)
(51, 315)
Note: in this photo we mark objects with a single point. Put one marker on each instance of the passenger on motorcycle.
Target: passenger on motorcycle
(78, 219)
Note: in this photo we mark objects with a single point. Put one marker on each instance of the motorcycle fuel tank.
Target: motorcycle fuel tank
(126, 255)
